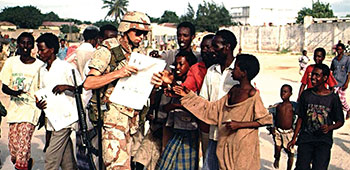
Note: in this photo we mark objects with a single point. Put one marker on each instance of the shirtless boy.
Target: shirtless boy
(283, 130)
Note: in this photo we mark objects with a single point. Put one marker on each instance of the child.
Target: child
(182, 148)
(319, 56)
(303, 60)
(283, 126)
(57, 75)
(18, 81)
(238, 116)
(319, 113)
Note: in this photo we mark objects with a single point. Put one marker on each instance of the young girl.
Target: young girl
(181, 152)
(238, 116)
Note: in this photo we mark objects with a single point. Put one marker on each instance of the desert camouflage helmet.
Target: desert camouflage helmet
(134, 20)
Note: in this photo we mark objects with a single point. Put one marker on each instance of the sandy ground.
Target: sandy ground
(276, 70)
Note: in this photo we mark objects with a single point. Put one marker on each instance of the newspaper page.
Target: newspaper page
(134, 91)
(59, 115)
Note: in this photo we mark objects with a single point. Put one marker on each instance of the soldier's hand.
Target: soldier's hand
(127, 71)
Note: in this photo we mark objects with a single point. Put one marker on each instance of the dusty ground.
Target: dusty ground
(276, 70)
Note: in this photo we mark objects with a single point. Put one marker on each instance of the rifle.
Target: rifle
(82, 123)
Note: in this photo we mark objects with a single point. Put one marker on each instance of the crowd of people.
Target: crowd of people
(202, 102)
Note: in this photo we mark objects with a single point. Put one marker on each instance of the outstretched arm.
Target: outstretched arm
(96, 80)
(234, 125)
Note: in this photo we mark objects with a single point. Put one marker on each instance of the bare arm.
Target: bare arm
(11, 92)
(234, 125)
(347, 82)
(296, 132)
(302, 87)
(98, 80)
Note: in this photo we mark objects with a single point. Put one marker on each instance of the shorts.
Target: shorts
(283, 137)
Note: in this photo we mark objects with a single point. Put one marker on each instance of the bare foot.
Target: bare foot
(276, 164)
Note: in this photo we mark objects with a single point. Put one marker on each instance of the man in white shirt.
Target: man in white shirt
(57, 75)
(217, 83)
(86, 49)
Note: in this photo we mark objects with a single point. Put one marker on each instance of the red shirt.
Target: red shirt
(195, 77)
(194, 81)
(307, 78)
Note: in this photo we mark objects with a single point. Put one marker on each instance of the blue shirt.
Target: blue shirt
(341, 69)
(62, 52)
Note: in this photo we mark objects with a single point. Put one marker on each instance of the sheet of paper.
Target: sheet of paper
(134, 91)
(59, 111)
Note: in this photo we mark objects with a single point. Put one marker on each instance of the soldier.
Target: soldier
(107, 65)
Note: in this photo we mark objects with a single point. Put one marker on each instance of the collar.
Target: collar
(217, 67)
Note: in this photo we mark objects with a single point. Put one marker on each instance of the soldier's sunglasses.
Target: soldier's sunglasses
(140, 32)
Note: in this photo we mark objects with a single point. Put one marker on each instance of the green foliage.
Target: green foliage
(76, 21)
(101, 23)
(319, 10)
(65, 29)
(24, 17)
(154, 20)
(189, 15)
(169, 16)
(87, 22)
(51, 16)
(117, 8)
(210, 17)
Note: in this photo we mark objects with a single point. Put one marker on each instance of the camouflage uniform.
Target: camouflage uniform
(119, 122)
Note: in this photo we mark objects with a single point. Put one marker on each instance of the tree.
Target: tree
(24, 17)
(117, 8)
(154, 20)
(101, 23)
(210, 17)
(169, 16)
(319, 10)
(65, 29)
(189, 15)
(51, 16)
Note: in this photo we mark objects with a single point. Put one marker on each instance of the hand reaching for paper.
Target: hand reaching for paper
(127, 71)
(41, 104)
(59, 89)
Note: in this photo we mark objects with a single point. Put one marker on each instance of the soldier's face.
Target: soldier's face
(136, 36)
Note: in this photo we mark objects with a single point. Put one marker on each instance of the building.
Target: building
(53, 25)
(256, 15)
(4, 25)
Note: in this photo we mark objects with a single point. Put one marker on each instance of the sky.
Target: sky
(91, 10)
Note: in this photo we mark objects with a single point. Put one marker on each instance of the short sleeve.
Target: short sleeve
(5, 74)
(261, 115)
(305, 77)
(338, 114)
(100, 59)
(331, 80)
